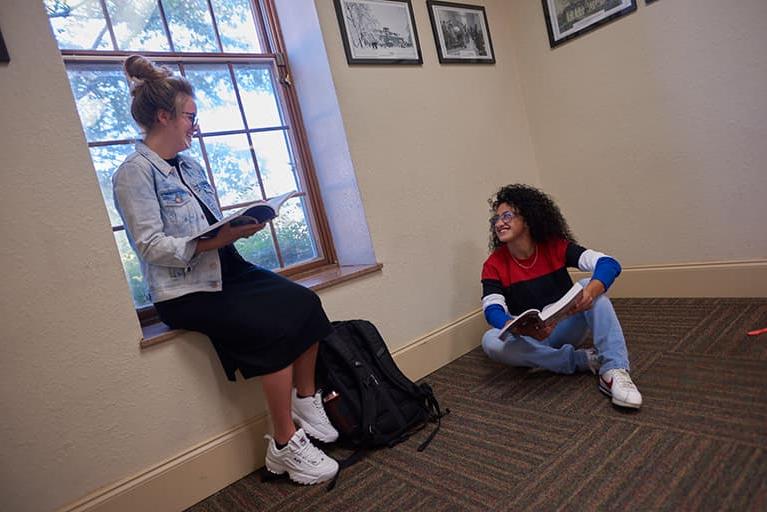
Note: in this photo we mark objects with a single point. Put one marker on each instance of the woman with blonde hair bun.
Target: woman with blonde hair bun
(259, 322)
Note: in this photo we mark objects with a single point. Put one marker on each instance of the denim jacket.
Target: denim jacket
(160, 215)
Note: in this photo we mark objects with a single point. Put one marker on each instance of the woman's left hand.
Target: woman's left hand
(594, 289)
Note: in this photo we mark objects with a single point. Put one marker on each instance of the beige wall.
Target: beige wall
(82, 406)
(651, 130)
(429, 144)
(657, 119)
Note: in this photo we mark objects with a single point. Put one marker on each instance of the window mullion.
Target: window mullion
(169, 57)
(200, 139)
(108, 19)
(166, 26)
(259, 180)
(215, 27)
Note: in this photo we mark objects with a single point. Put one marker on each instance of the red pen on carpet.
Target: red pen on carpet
(757, 332)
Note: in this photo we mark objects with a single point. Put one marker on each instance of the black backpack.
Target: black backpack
(367, 398)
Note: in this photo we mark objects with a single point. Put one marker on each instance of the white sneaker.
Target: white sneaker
(304, 462)
(310, 415)
(618, 384)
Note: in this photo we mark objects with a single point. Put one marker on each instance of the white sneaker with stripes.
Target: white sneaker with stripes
(618, 385)
(304, 462)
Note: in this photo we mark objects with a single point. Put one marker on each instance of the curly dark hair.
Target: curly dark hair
(537, 208)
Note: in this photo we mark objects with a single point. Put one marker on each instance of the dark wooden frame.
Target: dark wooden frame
(443, 59)
(347, 46)
(598, 23)
(4, 57)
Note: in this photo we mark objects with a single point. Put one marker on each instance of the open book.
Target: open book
(255, 212)
(548, 315)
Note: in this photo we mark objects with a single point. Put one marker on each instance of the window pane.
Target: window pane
(195, 152)
(132, 269)
(138, 25)
(257, 93)
(78, 24)
(233, 170)
(106, 160)
(274, 162)
(236, 26)
(294, 234)
(259, 249)
(103, 101)
(216, 101)
(191, 27)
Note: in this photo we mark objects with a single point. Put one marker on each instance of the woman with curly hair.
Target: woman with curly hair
(532, 247)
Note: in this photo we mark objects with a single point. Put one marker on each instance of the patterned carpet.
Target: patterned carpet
(531, 440)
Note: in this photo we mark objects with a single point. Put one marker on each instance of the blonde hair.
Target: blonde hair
(153, 88)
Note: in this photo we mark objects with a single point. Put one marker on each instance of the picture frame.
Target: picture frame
(378, 31)
(4, 57)
(461, 33)
(568, 19)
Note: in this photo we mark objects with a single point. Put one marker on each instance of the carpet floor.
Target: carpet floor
(519, 439)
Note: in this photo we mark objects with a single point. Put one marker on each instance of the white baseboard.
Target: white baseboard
(182, 481)
(438, 348)
(716, 279)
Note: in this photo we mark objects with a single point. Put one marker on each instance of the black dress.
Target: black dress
(259, 323)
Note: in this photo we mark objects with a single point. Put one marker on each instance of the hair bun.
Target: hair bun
(140, 70)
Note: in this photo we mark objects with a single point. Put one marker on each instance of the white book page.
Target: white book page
(568, 298)
(274, 203)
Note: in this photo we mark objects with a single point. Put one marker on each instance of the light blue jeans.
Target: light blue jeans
(558, 352)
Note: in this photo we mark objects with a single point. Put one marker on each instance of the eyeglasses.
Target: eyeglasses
(505, 217)
(192, 116)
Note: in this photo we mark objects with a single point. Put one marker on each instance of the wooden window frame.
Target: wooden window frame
(273, 50)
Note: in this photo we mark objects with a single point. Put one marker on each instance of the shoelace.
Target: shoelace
(314, 454)
(320, 408)
(621, 379)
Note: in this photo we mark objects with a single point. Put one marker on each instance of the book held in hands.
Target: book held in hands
(256, 212)
(548, 315)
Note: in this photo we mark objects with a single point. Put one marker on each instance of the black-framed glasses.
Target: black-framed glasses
(505, 217)
(192, 116)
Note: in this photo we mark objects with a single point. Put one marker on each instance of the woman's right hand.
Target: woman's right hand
(226, 235)
(229, 233)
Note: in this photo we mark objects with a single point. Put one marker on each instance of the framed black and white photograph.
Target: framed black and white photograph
(567, 19)
(461, 33)
(378, 31)
(4, 57)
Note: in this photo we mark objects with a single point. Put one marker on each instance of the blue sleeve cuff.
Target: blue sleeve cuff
(496, 316)
(606, 270)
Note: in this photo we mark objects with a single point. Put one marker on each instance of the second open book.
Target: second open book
(547, 315)
(255, 212)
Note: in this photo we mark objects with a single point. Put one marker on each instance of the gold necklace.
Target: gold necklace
(529, 266)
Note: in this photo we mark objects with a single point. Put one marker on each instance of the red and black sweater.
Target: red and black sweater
(511, 286)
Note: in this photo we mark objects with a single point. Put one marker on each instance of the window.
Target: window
(251, 139)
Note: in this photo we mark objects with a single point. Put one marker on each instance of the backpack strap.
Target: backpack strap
(348, 352)
(381, 353)
(352, 459)
(437, 414)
